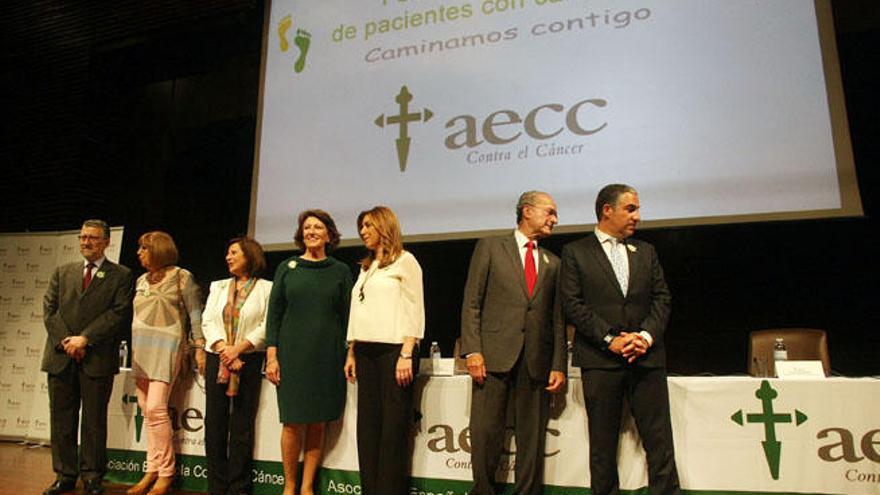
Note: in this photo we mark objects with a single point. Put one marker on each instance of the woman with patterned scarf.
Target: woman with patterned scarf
(234, 324)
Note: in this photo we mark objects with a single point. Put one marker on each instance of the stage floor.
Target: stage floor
(28, 469)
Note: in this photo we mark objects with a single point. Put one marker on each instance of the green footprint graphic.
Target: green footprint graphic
(302, 41)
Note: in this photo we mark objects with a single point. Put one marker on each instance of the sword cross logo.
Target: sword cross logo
(139, 415)
(772, 446)
(403, 119)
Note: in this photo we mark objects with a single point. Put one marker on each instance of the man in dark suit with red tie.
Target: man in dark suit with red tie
(614, 293)
(85, 309)
(513, 336)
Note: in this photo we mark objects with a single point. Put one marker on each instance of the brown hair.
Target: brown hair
(253, 254)
(390, 238)
(163, 251)
(328, 222)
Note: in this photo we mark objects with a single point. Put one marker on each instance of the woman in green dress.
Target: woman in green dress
(305, 344)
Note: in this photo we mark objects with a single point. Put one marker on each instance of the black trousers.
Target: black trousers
(515, 396)
(229, 426)
(604, 392)
(385, 412)
(68, 391)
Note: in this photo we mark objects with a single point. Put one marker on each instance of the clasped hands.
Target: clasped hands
(75, 347)
(228, 355)
(629, 345)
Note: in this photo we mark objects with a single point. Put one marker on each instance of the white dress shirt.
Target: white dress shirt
(521, 241)
(97, 264)
(610, 242)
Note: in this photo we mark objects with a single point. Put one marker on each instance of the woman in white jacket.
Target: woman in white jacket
(234, 324)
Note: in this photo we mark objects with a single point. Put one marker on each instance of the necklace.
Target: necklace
(370, 273)
(156, 276)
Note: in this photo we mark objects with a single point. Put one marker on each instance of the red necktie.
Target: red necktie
(531, 272)
(88, 278)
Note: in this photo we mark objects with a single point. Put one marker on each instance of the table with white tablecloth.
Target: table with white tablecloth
(732, 434)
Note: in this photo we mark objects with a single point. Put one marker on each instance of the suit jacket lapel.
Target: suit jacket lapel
(635, 263)
(543, 264)
(605, 263)
(513, 255)
(75, 278)
(106, 268)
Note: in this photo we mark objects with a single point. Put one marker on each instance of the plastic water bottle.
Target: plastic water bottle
(123, 354)
(435, 351)
(780, 353)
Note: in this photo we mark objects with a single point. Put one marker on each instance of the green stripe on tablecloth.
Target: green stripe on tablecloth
(125, 466)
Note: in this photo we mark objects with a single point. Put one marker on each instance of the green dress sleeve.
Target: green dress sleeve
(277, 306)
(345, 294)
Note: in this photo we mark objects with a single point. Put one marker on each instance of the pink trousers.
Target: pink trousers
(152, 396)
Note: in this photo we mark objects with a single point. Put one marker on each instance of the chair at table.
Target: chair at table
(802, 344)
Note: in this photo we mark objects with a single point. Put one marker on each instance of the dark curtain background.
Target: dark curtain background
(144, 114)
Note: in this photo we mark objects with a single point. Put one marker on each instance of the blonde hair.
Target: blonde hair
(390, 239)
(163, 251)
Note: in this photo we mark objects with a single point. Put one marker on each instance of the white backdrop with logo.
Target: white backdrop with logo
(27, 261)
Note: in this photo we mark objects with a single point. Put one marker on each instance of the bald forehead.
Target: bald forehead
(544, 199)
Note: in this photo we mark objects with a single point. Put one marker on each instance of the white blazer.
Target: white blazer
(251, 322)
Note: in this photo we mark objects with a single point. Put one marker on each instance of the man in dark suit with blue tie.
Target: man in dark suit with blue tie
(85, 309)
(614, 292)
(513, 336)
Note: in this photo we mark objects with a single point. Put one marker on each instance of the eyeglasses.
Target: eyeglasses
(91, 238)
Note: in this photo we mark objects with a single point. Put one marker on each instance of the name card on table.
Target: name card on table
(437, 367)
(799, 370)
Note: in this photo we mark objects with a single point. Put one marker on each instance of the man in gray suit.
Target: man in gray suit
(614, 293)
(513, 336)
(85, 309)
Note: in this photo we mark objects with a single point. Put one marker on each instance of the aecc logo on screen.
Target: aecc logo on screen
(501, 127)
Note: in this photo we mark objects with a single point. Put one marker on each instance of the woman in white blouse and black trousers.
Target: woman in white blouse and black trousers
(386, 322)
(234, 324)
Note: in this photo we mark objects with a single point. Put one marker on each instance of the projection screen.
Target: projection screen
(715, 110)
